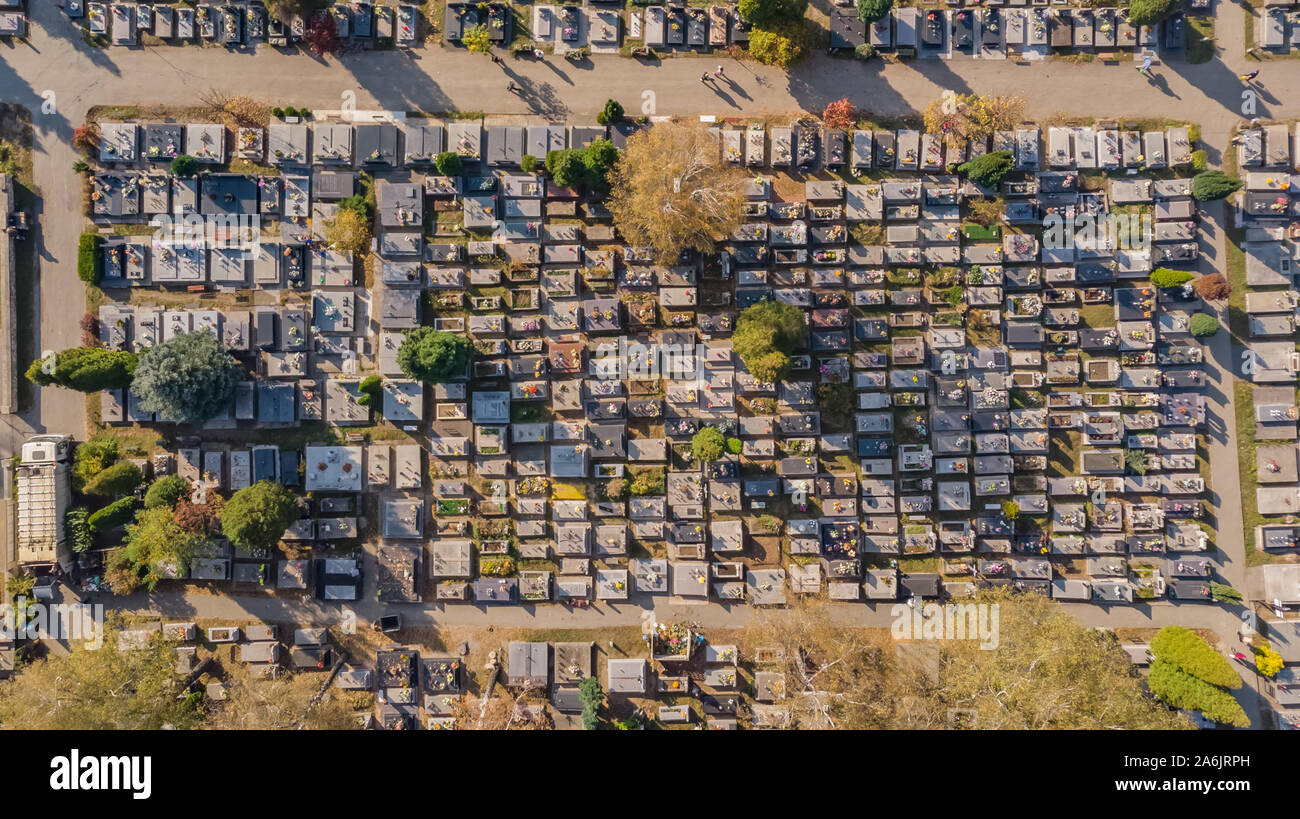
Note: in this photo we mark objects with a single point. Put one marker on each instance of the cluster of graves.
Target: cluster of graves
(1267, 212)
(1017, 29)
(988, 368)
(259, 647)
(1278, 27)
(243, 23)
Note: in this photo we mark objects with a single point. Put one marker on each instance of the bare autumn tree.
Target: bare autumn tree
(671, 190)
(502, 712)
(293, 701)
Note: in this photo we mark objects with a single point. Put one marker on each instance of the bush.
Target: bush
(735, 446)
(86, 138)
(91, 458)
(1150, 12)
(119, 479)
(708, 444)
(1136, 461)
(185, 165)
(840, 114)
(650, 481)
(189, 378)
(90, 262)
(1213, 287)
(1207, 186)
(1185, 650)
(277, 112)
(1267, 661)
(528, 163)
(988, 170)
(1203, 325)
(782, 44)
(1010, 510)
(89, 325)
(864, 51)
(1165, 277)
(434, 357)
(85, 369)
(121, 574)
(1199, 161)
(1223, 593)
(77, 527)
(766, 333)
(872, 10)
(1182, 690)
(117, 513)
(760, 12)
(81, 166)
(448, 163)
(322, 35)
(477, 39)
(256, 516)
(583, 168)
(611, 113)
(369, 388)
(166, 491)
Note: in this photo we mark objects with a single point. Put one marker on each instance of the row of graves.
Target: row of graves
(243, 23)
(1268, 211)
(1278, 27)
(994, 31)
(260, 647)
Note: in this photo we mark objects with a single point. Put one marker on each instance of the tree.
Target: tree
(76, 525)
(735, 446)
(671, 191)
(1184, 691)
(448, 163)
(477, 39)
(84, 369)
(1187, 651)
(200, 518)
(1223, 593)
(119, 479)
(1267, 661)
(611, 113)
(840, 114)
(780, 43)
(92, 457)
(256, 516)
(112, 516)
(766, 333)
(872, 10)
(348, 231)
(184, 166)
(583, 168)
(189, 378)
(1213, 287)
(528, 163)
(1150, 12)
(1203, 325)
(1208, 186)
(708, 444)
(157, 547)
(107, 689)
(761, 12)
(1166, 277)
(322, 36)
(434, 357)
(166, 491)
(285, 703)
(988, 170)
(121, 575)
(972, 116)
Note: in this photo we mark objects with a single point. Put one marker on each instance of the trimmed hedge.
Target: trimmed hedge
(1166, 277)
(118, 479)
(988, 170)
(90, 262)
(117, 513)
(1187, 651)
(1182, 690)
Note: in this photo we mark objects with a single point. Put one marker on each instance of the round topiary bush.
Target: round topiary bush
(1203, 325)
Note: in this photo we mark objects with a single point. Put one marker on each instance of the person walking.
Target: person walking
(1247, 78)
(719, 72)
(705, 77)
(1146, 65)
(512, 88)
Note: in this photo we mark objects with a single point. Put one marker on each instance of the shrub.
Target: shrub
(1010, 510)
(277, 112)
(988, 170)
(1203, 325)
(185, 165)
(864, 51)
(121, 574)
(583, 168)
(166, 491)
(1136, 461)
(448, 163)
(1165, 277)
(760, 12)
(85, 369)
(1199, 161)
(611, 113)
(1185, 650)
(90, 262)
(322, 35)
(1150, 12)
(86, 138)
(256, 516)
(1182, 690)
(81, 166)
(650, 481)
(735, 446)
(1223, 593)
(1213, 287)
(77, 527)
(189, 378)
(89, 330)
(528, 163)
(119, 479)
(708, 444)
(92, 457)
(782, 44)
(434, 357)
(370, 388)
(954, 295)
(115, 514)
(766, 333)
(872, 10)
(1267, 661)
(1208, 186)
(477, 39)
(840, 114)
